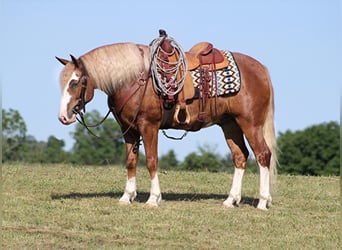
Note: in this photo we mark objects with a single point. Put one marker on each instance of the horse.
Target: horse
(122, 71)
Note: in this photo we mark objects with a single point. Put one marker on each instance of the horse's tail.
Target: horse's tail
(270, 137)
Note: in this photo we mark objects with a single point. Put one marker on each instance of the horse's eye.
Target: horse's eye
(73, 84)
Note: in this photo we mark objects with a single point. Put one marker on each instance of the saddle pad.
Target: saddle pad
(228, 79)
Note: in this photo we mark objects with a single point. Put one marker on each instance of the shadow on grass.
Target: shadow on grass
(143, 197)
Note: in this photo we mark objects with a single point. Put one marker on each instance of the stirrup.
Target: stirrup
(187, 115)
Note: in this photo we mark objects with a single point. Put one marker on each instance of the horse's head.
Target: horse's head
(77, 89)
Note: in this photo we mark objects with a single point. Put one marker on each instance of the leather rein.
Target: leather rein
(79, 109)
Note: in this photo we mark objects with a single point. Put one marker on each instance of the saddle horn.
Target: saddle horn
(162, 33)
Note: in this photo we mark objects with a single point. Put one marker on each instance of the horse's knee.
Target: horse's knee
(131, 162)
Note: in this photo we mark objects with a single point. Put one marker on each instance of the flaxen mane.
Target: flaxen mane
(112, 66)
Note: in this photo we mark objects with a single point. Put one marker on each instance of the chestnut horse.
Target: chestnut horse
(122, 72)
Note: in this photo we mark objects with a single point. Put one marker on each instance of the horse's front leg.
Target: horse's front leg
(132, 151)
(150, 140)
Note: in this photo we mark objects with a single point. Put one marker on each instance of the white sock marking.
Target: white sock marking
(235, 191)
(130, 191)
(265, 195)
(155, 194)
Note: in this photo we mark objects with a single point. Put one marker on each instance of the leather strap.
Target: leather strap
(141, 81)
(127, 96)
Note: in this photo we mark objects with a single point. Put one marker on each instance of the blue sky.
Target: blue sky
(299, 42)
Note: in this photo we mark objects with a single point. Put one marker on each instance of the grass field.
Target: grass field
(68, 207)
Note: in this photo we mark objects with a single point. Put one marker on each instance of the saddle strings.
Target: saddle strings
(178, 69)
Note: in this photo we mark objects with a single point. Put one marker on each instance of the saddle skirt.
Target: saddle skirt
(228, 80)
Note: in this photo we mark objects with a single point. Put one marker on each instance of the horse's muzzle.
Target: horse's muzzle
(67, 120)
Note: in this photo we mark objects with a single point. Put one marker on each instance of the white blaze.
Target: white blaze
(66, 98)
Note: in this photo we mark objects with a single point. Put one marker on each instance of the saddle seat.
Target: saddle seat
(204, 53)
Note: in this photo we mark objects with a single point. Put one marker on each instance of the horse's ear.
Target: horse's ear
(74, 60)
(62, 61)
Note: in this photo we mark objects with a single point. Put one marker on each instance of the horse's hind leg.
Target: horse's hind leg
(256, 140)
(236, 143)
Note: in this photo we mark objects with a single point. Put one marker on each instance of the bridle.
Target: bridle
(79, 109)
(81, 100)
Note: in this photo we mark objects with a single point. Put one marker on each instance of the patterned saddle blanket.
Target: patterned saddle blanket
(228, 79)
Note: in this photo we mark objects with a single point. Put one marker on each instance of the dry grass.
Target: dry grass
(66, 207)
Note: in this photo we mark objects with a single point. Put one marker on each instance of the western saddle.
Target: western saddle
(204, 53)
(202, 57)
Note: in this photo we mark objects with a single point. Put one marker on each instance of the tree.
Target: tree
(168, 161)
(107, 149)
(13, 135)
(53, 151)
(313, 151)
(207, 159)
(32, 151)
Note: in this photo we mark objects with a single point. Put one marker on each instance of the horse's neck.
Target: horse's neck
(112, 67)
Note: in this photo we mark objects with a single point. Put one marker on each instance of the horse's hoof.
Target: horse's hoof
(124, 203)
(151, 205)
(231, 202)
(262, 205)
(127, 198)
(228, 204)
(262, 208)
(154, 201)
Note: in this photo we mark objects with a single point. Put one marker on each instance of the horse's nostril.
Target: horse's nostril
(63, 119)
(66, 120)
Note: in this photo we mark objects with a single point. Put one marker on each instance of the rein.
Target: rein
(87, 126)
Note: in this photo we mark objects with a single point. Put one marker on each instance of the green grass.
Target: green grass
(67, 207)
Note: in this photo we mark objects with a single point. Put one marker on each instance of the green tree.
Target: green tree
(13, 135)
(206, 159)
(312, 151)
(107, 149)
(168, 161)
(32, 151)
(53, 151)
